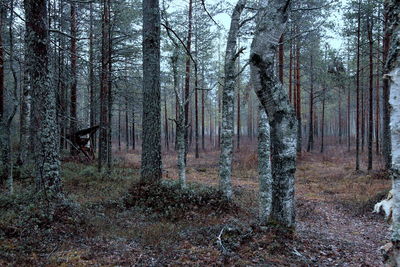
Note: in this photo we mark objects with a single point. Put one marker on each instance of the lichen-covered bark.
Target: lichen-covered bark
(151, 135)
(264, 167)
(46, 135)
(271, 23)
(393, 66)
(228, 94)
(180, 137)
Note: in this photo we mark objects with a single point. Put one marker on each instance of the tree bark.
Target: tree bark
(371, 89)
(393, 69)
(386, 135)
(46, 135)
(73, 103)
(104, 91)
(310, 145)
(151, 169)
(358, 90)
(228, 94)
(271, 23)
(264, 167)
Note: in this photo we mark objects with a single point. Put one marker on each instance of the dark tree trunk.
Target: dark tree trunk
(151, 169)
(386, 136)
(187, 77)
(310, 145)
(73, 125)
(358, 90)
(371, 89)
(104, 91)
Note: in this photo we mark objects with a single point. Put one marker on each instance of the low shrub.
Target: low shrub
(168, 199)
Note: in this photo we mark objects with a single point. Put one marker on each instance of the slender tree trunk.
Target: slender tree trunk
(133, 127)
(151, 169)
(298, 99)
(104, 91)
(238, 100)
(187, 77)
(203, 111)
(166, 135)
(371, 89)
(119, 129)
(290, 70)
(127, 125)
(228, 94)
(323, 120)
(73, 103)
(340, 115)
(110, 93)
(91, 76)
(310, 145)
(358, 90)
(377, 99)
(386, 136)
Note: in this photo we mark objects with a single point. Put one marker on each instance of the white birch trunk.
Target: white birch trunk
(271, 24)
(264, 167)
(393, 67)
(228, 94)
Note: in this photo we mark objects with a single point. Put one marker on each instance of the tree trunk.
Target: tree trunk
(151, 169)
(46, 135)
(386, 136)
(271, 23)
(264, 167)
(127, 125)
(187, 77)
(371, 89)
(104, 91)
(310, 145)
(73, 124)
(298, 99)
(358, 90)
(393, 67)
(228, 94)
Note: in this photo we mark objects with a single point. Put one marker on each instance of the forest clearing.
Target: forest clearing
(335, 227)
(200, 133)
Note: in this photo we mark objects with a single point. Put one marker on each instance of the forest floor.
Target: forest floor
(335, 224)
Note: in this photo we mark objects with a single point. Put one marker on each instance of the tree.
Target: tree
(271, 24)
(104, 90)
(228, 94)
(151, 168)
(392, 8)
(46, 135)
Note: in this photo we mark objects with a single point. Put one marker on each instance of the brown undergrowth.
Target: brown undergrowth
(130, 224)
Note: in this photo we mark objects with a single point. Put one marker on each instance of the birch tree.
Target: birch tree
(264, 167)
(271, 23)
(393, 76)
(228, 95)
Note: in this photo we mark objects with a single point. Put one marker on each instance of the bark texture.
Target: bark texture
(393, 67)
(228, 97)
(271, 24)
(264, 167)
(151, 169)
(46, 134)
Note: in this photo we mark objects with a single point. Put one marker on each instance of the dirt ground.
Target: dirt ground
(335, 225)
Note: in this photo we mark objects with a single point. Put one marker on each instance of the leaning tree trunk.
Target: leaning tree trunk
(271, 24)
(228, 94)
(393, 68)
(46, 134)
(151, 169)
(264, 167)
